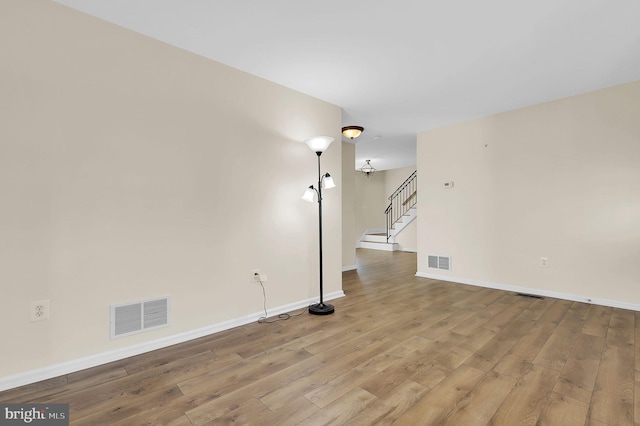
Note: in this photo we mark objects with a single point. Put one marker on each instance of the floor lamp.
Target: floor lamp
(319, 144)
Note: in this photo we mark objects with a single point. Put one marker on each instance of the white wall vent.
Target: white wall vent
(439, 262)
(135, 317)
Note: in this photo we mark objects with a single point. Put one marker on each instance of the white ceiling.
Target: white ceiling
(398, 68)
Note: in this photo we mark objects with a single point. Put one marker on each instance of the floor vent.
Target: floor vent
(136, 317)
(533, 296)
(439, 262)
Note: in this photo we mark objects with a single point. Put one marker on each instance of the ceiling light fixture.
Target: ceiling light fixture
(352, 132)
(368, 169)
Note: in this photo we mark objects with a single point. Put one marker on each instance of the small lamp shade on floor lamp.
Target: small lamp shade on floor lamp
(319, 144)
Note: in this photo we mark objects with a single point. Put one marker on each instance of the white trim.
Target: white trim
(407, 218)
(369, 231)
(378, 246)
(534, 291)
(51, 371)
(373, 231)
(349, 268)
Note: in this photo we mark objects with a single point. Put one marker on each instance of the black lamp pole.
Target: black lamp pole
(320, 308)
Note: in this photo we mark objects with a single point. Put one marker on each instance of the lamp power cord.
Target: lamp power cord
(281, 317)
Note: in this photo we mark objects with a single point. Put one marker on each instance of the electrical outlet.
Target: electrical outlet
(39, 310)
(257, 277)
(544, 262)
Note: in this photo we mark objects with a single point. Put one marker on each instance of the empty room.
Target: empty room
(287, 213)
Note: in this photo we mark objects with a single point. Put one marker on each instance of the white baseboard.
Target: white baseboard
(49, 372)
(349, 268)
(533, 291)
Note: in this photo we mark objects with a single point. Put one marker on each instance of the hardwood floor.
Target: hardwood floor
(399, 350)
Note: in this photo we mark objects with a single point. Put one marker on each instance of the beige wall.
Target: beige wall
(558, 180)
(349, 236)
(370, 202)
(395, 177)
(130, 169)
(408, 239)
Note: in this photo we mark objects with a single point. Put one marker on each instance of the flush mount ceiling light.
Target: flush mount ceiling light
(368, 169)
(352, 132)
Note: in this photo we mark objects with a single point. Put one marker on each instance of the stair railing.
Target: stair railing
(402, 199)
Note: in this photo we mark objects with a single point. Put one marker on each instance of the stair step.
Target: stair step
(379, 246)
(404, 221)
(375, 238)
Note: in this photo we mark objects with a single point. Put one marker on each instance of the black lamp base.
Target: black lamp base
(321, 309)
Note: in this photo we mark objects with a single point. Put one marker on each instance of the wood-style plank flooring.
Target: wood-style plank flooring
(399, 350)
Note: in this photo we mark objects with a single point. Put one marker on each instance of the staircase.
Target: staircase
(377, 240)
(401, 212)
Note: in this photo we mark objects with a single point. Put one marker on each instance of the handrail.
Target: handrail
(410, 197)
(404, 184)
(402, 199)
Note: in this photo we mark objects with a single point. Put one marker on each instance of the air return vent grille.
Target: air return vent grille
(135, 317)
(439, 262)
